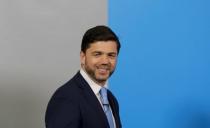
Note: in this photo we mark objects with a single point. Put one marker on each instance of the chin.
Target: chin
(102, 78)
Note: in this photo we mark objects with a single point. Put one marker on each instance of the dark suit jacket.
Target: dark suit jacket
(74, 105)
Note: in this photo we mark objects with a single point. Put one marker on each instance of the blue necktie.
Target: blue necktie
(106, 106)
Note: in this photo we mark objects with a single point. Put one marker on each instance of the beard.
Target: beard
(99, 73)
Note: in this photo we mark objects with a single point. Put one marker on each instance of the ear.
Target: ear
(82, 58)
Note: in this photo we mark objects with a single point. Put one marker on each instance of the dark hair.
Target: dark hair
(99, 33)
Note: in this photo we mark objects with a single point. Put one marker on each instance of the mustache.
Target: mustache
(104, 66)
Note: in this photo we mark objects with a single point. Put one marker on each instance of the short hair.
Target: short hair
(99, 33)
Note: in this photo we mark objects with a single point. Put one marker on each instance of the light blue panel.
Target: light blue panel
(163, 74)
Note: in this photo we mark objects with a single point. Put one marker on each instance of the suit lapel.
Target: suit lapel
(92, 99)
(114, 109)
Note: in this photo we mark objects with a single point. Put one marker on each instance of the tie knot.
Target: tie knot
(104, 98)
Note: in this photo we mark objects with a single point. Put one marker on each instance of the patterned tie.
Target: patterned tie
(106, 106)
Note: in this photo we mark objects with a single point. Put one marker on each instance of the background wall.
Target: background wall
(164, 60)
(39, 51)
(163, 75)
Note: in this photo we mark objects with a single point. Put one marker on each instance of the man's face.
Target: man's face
(99, 60)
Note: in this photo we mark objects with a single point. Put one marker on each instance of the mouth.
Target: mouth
(103, 69)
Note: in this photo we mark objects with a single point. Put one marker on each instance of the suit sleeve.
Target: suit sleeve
(63, 113)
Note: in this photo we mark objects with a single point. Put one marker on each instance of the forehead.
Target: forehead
(104, 46)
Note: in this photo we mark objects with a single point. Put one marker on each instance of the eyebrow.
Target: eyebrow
(104, 52)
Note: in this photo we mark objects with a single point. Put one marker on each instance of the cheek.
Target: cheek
(90, 62)
(113, 63)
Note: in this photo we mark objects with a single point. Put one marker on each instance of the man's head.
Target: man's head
(99, 50)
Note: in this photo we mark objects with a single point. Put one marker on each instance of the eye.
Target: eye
(112, 55)
(96, 54)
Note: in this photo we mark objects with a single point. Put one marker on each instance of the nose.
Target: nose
(105, 59)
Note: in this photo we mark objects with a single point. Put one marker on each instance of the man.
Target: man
(82, 102)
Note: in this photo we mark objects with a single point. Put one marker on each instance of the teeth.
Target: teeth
(102, 70)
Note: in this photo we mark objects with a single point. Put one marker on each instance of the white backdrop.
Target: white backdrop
(39, 51)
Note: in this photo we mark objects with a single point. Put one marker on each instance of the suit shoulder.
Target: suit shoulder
(69, 89)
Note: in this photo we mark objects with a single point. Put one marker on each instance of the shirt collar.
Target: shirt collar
(94, 86)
